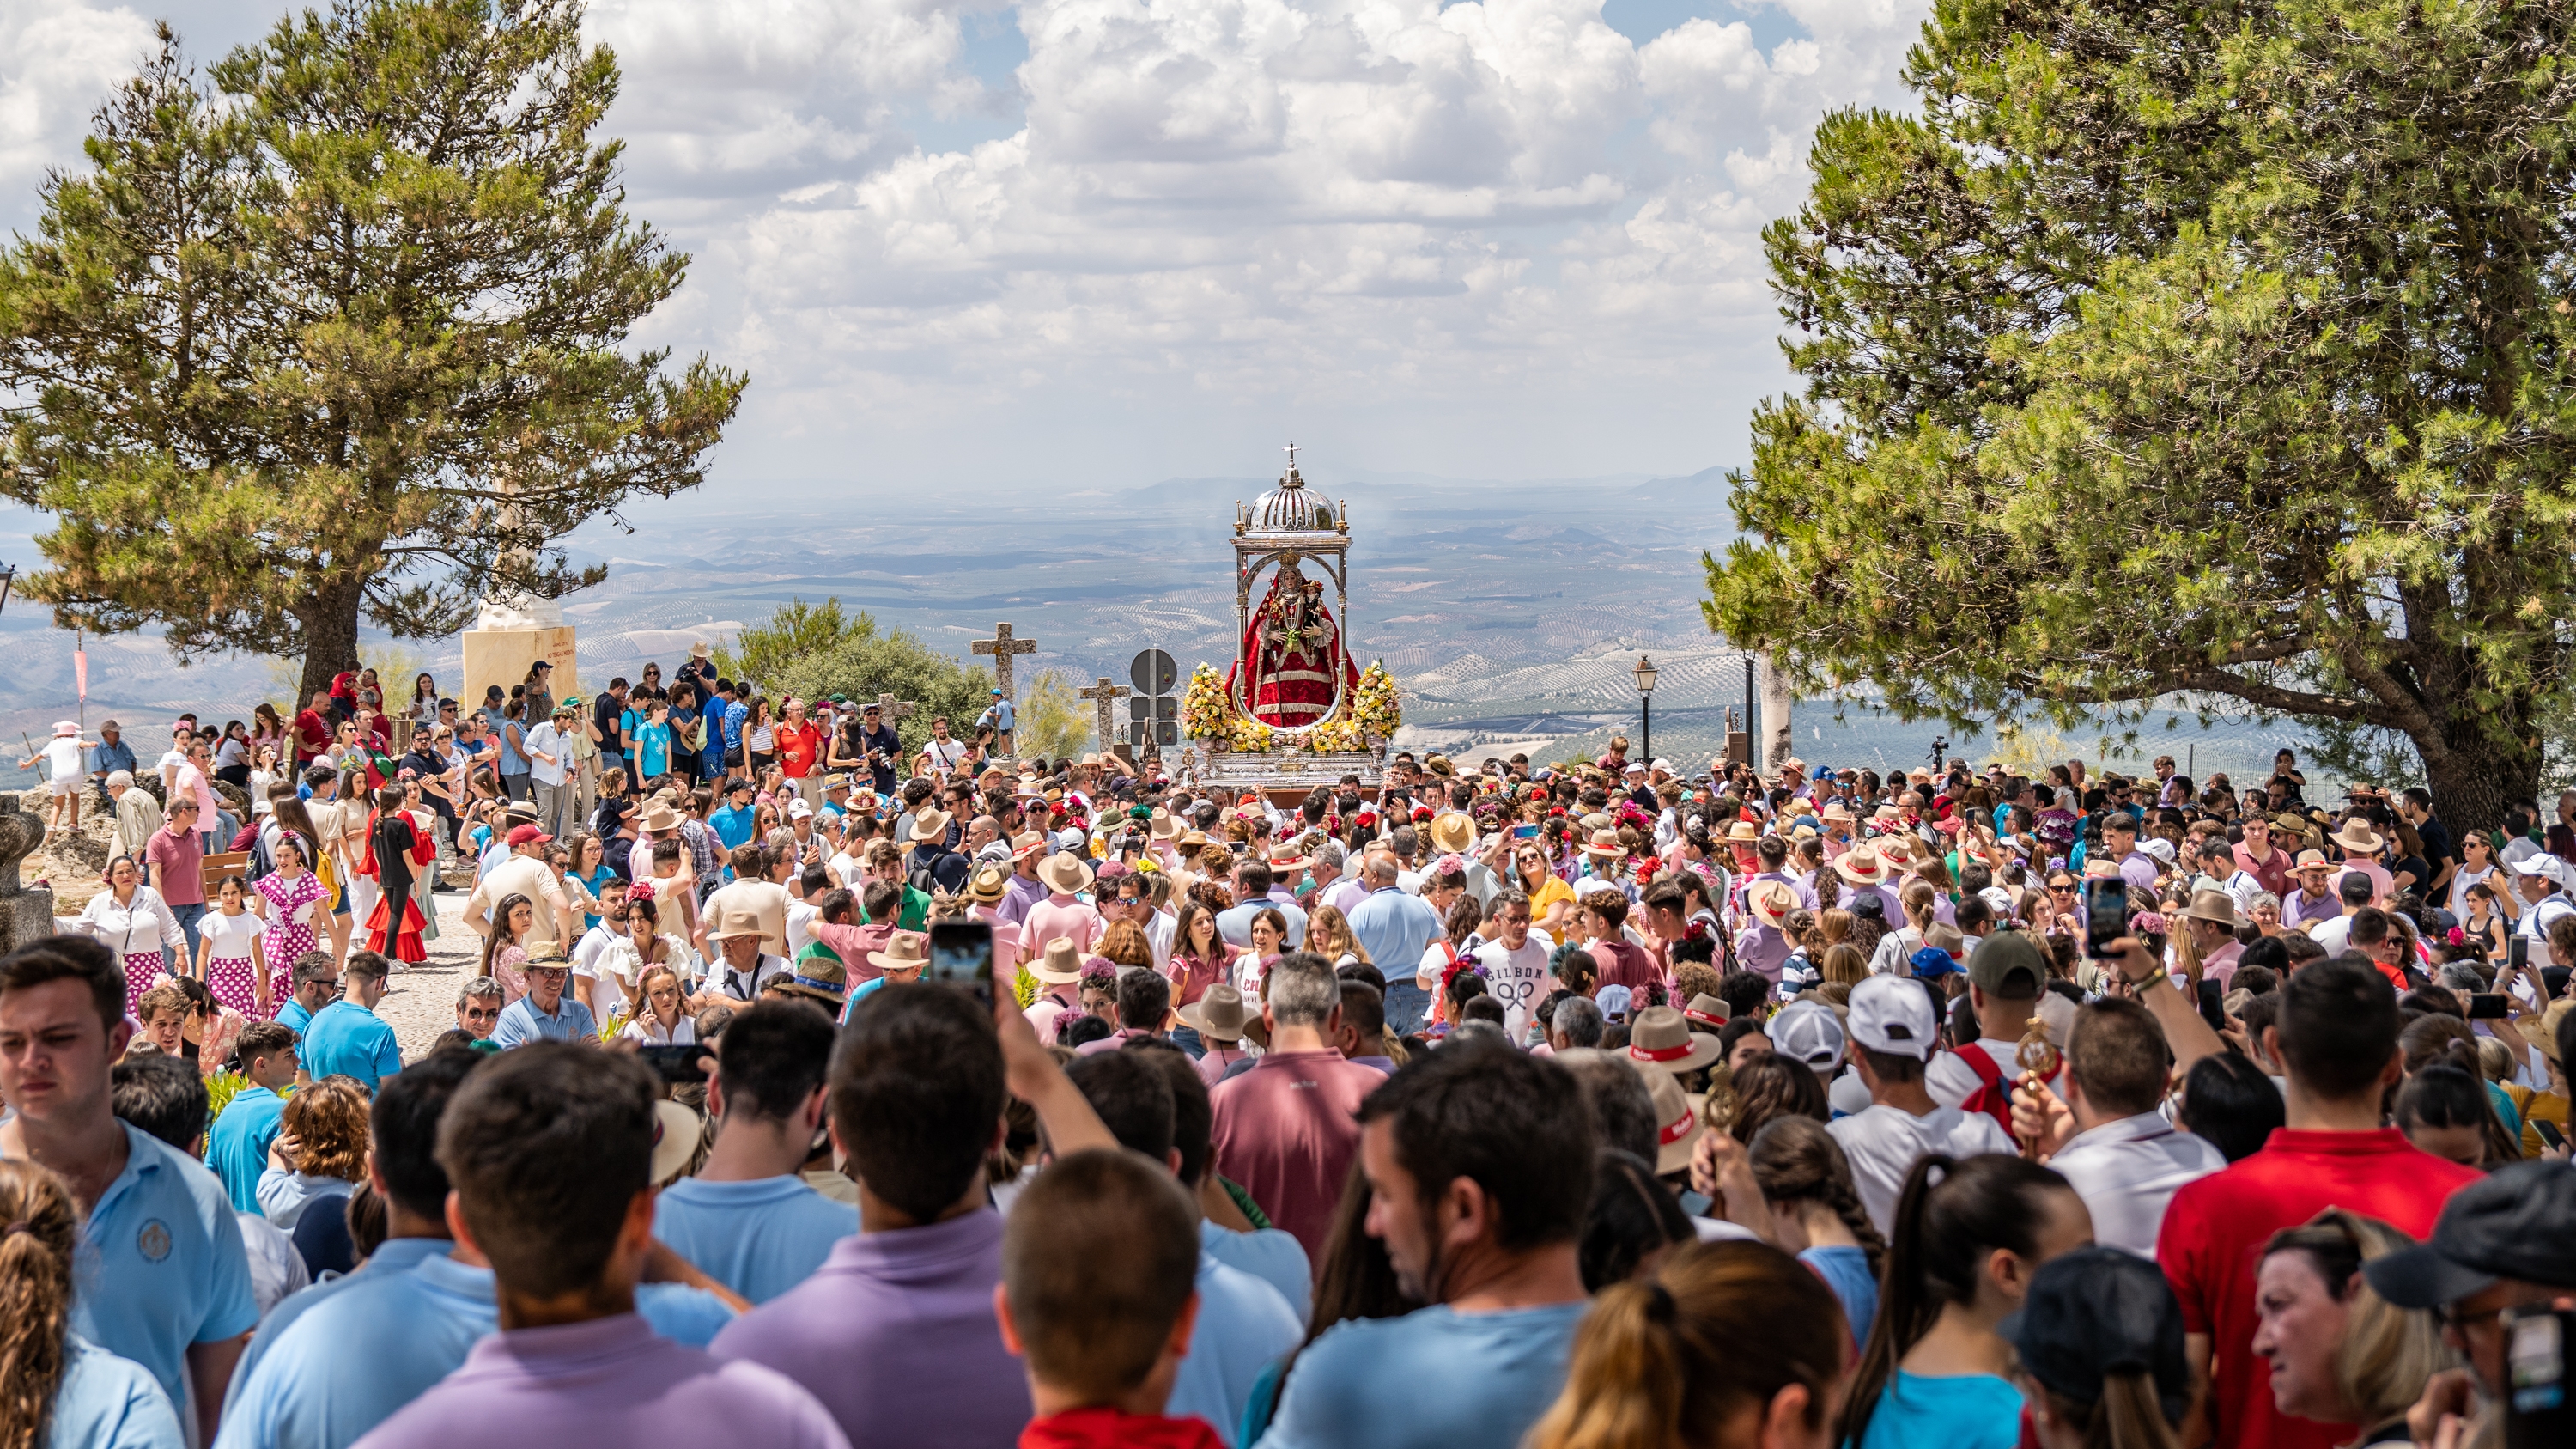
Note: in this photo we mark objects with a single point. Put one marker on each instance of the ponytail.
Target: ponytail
(1952, 1213)
(39, 1229)
(1795, 1159)
(1672, 1357)
(1625, 1380)
(2128, 1415)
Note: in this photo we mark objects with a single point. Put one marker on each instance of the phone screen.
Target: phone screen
(961, 954)
(2486, 1006)
(2106, 914)
(2550, 1136)
(676, 1063)
(2517, 952)
(2538, 1408)
(1525, 832)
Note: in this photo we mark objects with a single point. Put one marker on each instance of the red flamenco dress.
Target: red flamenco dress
(395, 853)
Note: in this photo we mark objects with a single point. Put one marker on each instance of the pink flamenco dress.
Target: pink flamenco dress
(291, 905)
(395, 853)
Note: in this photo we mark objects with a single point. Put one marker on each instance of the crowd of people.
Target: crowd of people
(1586, 1106)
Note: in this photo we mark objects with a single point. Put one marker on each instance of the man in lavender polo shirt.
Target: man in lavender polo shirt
(895, 1332)
(549, 1149)
(1025, 889)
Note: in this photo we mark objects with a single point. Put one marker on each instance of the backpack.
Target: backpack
(1994, 1090)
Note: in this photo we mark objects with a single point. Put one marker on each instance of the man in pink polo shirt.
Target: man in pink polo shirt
(1061, 914)
(1288, 1128)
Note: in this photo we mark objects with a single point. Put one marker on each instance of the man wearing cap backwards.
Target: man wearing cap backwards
(1892, 1032)
(2502, 1243)
(2336, 1036)
(525, 873)
(2005, 975)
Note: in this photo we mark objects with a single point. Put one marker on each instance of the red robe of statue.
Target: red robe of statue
(1291, 651)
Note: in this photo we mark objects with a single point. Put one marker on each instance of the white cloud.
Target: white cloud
(1496, 236)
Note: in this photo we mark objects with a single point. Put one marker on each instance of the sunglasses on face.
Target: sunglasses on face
(482, 1013)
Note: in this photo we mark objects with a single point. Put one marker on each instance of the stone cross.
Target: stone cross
(1104, 695)
(891, 708)
(1002, 646)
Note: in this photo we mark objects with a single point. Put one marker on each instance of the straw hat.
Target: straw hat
(2542, 1031)
(676, 1131)
(663, 817)
(1772, 901)
(1063, 873)
(2357, 838)
(1661, 1037)
(1220, 1015)
(1061, 965)
(1835, 811)
(1677, 1124)
(1453, 833)
(2217, 907)
(1163, 825)
(735, 921)
(1708, 1011)
(1027, 843)
(904, 951)
(1861, 866)
(927, 826)
(1743, 830)
(990, 882)
(1605, 843)
(818, 978)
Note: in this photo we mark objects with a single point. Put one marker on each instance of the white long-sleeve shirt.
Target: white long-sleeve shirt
(142, 924)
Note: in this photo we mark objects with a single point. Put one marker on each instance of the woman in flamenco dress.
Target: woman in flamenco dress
(396, 852)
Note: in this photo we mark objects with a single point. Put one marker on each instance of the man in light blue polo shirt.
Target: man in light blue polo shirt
(237, 1147)
(546, 1013)
(731, 821)
(1252, 887)
(164, 1280)
(347, 1038)
(316, 984)
(747, 1218)
(1393, 927)
(411, 1313)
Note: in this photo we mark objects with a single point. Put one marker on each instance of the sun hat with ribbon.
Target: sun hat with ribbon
(1661, 1036)
(1061, 965)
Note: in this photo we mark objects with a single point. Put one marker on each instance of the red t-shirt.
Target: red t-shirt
(797, 748)
(312, 733)
(1288, 1131)
(2213, 1237)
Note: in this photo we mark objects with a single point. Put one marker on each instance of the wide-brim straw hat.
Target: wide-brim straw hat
(661, 818)
(1677, 1119)
(1220, 1015)
(1065, 873)
(1605, 843)
(1060, 964)
(1708, 1010)
(2216, 907)
(1453, 832)
(2357, 837)
(1772, 901)
(1164, 826)
(989, 883)
(1861, 865)
(1027, 843)
(1661, 1037)
(736, 921)
(676, 1131)
(904, 950)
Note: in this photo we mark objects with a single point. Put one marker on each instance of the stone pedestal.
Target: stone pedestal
(26, 912)
(502, 657)
(1292, 772)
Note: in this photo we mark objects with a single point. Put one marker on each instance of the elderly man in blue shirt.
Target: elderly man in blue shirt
(546, 1013)
(1393, 927)
(164, 1279)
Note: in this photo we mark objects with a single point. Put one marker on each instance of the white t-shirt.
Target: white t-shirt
(62, 758)
(232, 935)
(594, 959)
(2463, 878)
(1519, 979)
(1885, 1142)
(800, 927)
(2333, 934)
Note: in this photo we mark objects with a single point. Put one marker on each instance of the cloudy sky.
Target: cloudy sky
(1105, 241)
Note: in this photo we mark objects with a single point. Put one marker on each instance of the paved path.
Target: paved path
(421, 1002)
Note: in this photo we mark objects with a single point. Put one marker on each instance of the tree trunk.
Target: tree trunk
(1778, 738)
(2479, 777)
(330, 622)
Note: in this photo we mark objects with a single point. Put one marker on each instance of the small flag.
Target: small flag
(80, 672)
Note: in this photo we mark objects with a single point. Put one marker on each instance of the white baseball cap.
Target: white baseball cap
(1808, 1031)
(798, 808)
(1893, 1015)
(2543, 864)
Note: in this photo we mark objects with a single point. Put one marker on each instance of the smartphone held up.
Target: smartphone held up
(961, 955)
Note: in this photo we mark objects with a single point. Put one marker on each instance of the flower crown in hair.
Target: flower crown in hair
(1697, 930)
(2146, 923)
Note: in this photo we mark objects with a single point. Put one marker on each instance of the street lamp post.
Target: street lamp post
(1646, 704)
